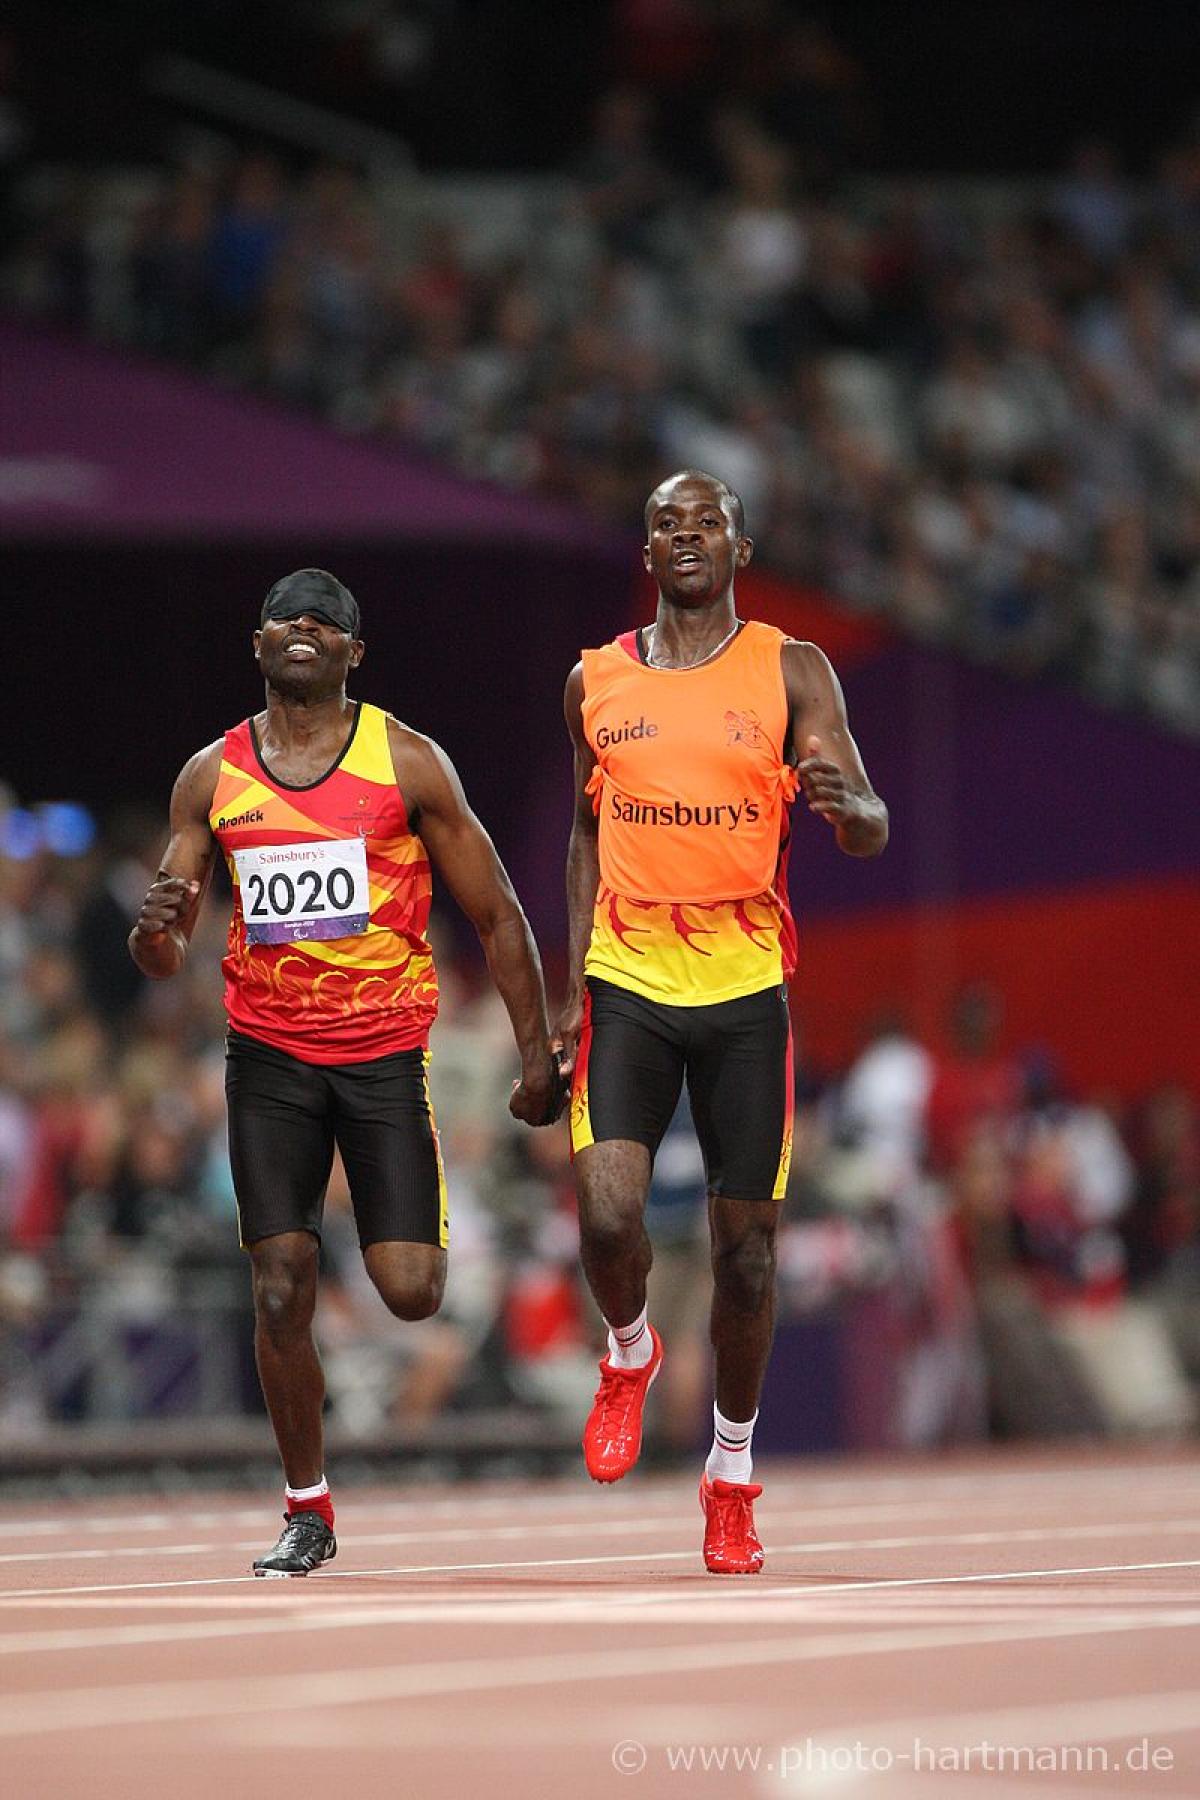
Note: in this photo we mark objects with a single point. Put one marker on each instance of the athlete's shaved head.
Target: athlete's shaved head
(730, 501)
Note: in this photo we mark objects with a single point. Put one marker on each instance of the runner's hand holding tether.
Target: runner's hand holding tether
(540, 1101)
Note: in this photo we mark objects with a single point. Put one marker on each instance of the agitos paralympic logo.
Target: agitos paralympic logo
(743, 727)
(728, 814)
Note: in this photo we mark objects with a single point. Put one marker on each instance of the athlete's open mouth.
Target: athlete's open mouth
(686, 559)
(301, 650)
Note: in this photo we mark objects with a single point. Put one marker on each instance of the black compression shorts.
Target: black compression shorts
(285, 1116)
(635, 1053)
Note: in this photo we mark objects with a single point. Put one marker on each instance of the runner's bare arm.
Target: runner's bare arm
(465, 858)
(583, 871)
(832, 776)
(159, 940)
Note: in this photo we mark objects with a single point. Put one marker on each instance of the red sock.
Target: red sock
(307, 1501)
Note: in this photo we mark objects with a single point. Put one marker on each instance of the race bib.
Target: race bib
(295, 891)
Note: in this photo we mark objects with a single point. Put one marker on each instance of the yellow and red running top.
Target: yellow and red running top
(327, 956)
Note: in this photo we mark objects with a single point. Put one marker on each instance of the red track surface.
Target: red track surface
(514, 1639)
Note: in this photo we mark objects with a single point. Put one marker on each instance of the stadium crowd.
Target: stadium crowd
(974, 409)
(1019, 1260)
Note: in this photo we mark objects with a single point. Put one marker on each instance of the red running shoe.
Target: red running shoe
(612, 1437)
(731, 1545)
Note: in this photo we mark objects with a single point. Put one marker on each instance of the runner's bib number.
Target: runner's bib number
(295, 891)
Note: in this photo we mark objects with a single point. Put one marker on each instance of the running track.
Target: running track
(511, 1639)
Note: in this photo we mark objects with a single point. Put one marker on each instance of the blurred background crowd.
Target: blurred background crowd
(1002, 1255)
(564, 258)
(971, 406)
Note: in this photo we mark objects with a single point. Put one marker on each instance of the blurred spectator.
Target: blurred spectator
(1164, 1229)
(171, 272)
(552, 1332)
(1094, 202)
(1035, 1387)
(815, 99)
(975, 1083)
(885, 1094)
(1005, 1247)
(1165, 1217)
(975, 412)
(624, 186)
(112, 984)
(246, 241)
(762, 244)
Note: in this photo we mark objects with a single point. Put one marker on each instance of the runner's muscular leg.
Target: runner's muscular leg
(743, 1309)
(285, 1291)
(612, 1180)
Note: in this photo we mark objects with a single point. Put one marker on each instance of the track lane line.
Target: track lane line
(92, 1708)
(834, 1584)
(829, 1490)
(661, 1519)
(523, 1615)
(622, 1527)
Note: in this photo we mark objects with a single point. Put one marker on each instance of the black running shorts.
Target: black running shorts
(634, 1055)
(285, 1116)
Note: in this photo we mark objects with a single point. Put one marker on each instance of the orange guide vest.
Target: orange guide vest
(690, 787)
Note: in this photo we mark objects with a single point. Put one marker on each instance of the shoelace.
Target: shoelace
(298, 1526)
(739, 1505)
(616, 1391)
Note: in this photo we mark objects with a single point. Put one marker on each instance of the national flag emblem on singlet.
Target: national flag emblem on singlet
(327, 956)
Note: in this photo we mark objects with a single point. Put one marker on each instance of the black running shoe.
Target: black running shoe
(305, 1542)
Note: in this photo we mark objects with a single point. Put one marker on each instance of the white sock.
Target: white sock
(630, 1346)
(730, 1459)
(312, 1493)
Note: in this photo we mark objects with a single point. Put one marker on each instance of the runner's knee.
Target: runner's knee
(744, 1270)
(611, 1224)
(612, 1181)
(284, 1286)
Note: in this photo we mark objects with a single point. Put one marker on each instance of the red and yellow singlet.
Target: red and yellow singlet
(692, 794)
(327, 957)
